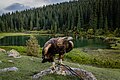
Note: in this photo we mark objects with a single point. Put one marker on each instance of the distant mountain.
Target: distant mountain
(16, 6)
(56, 1)
(3, 11)
(19, 7)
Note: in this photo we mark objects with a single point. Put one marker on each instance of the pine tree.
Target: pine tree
(55, 27)
(106, 25)
(31, 22)
(2, 26)
(32, 47)
(79, 21)
(11, 26)
(68, 15)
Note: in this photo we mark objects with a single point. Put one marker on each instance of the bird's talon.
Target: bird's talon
(60, 62)
(52, 67)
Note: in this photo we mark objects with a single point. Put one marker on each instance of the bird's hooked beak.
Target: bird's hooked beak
(68, 38)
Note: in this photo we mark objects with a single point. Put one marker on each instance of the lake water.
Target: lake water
(78, 43)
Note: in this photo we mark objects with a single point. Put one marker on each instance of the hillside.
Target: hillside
(100, 15)
(28, 66)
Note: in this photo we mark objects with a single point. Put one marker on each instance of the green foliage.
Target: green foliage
(86, 14)
(110, 35)
(79, 57)
(117, 32)
(99, 32)
(20, 49)
(90, 31)
(38, 32)
(28, 66)
(102, 60)
(32, 47)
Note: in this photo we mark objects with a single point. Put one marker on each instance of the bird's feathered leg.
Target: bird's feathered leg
(53, 65)
(60, 59)
(52, 61)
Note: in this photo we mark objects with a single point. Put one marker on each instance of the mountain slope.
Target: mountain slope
(17, 6)
(32, 3)
(62, 17)
(14, 7)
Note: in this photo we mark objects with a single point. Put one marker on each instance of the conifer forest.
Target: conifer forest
(74, 15)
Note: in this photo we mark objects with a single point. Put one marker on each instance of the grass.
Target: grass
(115, 47)
(28, 33)
(110, 59)
(28, 66)
(116, 40)
(13, 34)
(41, 31)
(100, 73)
(2, 35)
(21, 49)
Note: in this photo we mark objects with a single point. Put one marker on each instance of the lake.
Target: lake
(78, 43)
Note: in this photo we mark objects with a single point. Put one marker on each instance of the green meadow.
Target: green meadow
(103, 68)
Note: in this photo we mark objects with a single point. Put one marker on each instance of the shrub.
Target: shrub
(117, 32)
(90, 31)
(32, 47)
(99, 32)
(101, 60)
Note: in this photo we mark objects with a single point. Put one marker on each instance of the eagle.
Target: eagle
(60, 46)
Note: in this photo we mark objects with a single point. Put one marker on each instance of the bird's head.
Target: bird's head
(63, 40)
(68, 38)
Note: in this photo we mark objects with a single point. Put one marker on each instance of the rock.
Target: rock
(31, 59)
(9, 69)
(0, 61)
(2, 50)
(11, 61)
(13, 53)
(100, 50)
(85, 75)
(110, 40)
(66, 70)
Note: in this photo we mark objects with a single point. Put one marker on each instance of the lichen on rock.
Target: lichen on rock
(13, 53)
(62, 70)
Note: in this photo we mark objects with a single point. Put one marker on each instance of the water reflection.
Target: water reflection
(90, 43)
(80, 42)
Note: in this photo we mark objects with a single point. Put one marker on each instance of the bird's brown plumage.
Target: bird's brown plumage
(54, 46)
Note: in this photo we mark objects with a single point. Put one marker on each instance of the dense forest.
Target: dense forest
(82, 15)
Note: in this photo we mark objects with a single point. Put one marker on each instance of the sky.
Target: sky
(31, 3)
